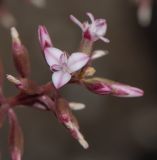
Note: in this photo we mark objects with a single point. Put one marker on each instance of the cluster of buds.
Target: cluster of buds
(7, 19)
(66, 68)
(144, 11)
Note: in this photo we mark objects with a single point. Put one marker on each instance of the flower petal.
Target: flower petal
(52, 56)
(76, 106)
(105, 39)
(101, 27)
(60, 78)
(91, 17)
(98, 54)
(76, 61)
(76, 21)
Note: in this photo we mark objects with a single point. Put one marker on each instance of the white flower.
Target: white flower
(94, 30)
(64, 66)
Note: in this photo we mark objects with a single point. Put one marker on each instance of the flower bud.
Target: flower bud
(20, 55)
(44, 38)
(122, 90)
(97, 87)
(104, 86)
(66, 117)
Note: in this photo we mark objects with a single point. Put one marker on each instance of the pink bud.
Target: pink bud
(20, 54)
(44, 38)
(121, 90)
(66, 117)
(104, 86)
(98, 87)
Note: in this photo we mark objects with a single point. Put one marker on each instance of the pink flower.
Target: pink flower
(94, 30)
(64, 66)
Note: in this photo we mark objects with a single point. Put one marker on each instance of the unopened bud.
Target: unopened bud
(44, 38)
(97, 86)
(121, 90)
(66, 117)
(105, 86)
(20, 55)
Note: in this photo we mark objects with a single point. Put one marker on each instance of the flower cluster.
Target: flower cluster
(66, 68)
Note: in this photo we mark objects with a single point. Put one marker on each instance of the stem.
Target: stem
(86, 46)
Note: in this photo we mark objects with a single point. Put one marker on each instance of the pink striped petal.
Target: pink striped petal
(101, 27)
(76, 61)
(52, 56)
(60, 78)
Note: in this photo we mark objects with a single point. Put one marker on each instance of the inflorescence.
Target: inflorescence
(66, 68)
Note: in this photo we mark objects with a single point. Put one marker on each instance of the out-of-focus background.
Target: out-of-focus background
(116, 128)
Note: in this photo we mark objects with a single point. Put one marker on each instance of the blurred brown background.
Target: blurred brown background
(116, 128)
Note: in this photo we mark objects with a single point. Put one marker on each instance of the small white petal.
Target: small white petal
(60, 78)
(76, 106)
(98, 54)
(76, 61)
(90, 15)
(52, 56)
(76, 21)
(105, 39)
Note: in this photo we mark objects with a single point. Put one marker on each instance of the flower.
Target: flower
(94, 30)
(64, 66)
